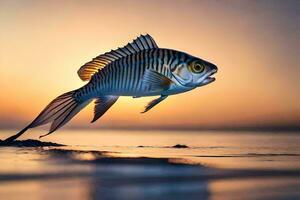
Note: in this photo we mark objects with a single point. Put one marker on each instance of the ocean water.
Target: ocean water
(114, 164)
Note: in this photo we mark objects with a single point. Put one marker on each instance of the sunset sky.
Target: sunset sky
(255, 44)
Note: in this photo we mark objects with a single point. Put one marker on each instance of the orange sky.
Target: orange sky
(255, 44)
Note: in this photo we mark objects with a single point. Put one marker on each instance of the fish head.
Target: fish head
(194, 73)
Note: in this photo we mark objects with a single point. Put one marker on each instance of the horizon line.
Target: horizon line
(288, 128)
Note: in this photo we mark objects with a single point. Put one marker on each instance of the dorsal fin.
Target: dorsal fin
(143, 42)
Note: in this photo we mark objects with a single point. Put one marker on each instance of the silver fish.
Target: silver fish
(138, 69)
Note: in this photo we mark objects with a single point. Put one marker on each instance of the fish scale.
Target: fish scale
(124, 76)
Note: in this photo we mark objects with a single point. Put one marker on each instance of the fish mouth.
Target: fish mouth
(209, 79)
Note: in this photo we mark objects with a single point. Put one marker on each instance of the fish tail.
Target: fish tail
(59, 111)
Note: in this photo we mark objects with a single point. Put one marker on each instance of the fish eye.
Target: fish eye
(197, 67)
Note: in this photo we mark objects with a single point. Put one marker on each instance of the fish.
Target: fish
(138, 69)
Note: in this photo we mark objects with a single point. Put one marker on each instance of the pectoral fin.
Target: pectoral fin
(102, 104)
(156, 81)
(154, 102)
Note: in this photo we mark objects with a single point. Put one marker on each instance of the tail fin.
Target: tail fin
(61, 110)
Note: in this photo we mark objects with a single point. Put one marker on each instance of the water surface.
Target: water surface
(107, 164)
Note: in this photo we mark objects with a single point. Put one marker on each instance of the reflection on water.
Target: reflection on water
(73, 188)
(259, 189)
(143, 165)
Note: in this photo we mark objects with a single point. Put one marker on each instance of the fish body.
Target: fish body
(138, 69)
(125, 76)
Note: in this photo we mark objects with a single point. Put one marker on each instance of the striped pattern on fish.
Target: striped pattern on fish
(138, 69)
(124, 77)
